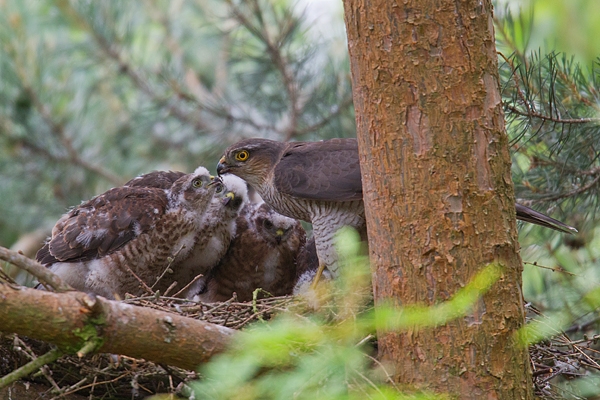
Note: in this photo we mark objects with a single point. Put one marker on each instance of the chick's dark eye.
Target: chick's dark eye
(242, 155)
(219, 188)
(196, 183)
(267, 224)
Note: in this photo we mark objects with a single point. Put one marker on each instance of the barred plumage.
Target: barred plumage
(262, 255)
(130, 233)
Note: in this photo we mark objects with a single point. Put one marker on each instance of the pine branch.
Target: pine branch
(273, 49)
(344, 104)
(196, 93)
(574, 192)
(58, 130)
(138, 78)
(534, 114)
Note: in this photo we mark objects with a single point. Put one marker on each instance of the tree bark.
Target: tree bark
(74, 321)
(438, 193)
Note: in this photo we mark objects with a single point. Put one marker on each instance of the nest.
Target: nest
(555, 361)
(120, 377)
(560, 364)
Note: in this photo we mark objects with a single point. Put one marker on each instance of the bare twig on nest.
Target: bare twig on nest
(36, 269)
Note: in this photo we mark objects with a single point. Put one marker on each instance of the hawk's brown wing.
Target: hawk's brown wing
(328, 170)
(156, 179)
(104, 224)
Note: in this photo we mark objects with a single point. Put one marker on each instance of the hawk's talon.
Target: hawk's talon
(317, 277)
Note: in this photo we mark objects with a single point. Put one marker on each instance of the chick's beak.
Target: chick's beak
(215, 180)
(222, 166)
(279, 232)
(228, 197)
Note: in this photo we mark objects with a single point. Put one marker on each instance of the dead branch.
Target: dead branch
(34, 268)
(83, 323)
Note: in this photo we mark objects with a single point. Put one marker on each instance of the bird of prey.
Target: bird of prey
(217, 229)
(262, 255)
(216, 235)
(318, 182)
(129, 234)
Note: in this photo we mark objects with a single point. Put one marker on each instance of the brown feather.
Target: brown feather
(327, 170)
(104, 224)
(131, 233)
(156, 179)
(258, 257)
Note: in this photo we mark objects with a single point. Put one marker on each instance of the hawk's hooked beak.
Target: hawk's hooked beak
(222, 166)
(215, 180)
(279, 232)
(228, 197)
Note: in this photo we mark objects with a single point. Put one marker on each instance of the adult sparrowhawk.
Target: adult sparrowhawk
(318, 182)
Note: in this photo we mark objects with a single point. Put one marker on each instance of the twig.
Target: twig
(59, 132)
(36, 269)
(554, 269)
(388, 376)
(171, 287)
(534, 114)
(171, 260)
(347, 102)
(25, 349)
(71, 391)
(188, 285)
(581, 327)
(273, 48)
(110, 50)
(30, 367)
(140, 280)
(572, 193)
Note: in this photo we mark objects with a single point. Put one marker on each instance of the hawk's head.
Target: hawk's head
(275, 228)
(235, 193)
(195, 190)
(253, 160)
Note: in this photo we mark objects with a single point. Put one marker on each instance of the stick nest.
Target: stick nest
(556, 362)
(116, 377)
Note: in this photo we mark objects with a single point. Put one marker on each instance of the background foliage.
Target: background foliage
(93, 93)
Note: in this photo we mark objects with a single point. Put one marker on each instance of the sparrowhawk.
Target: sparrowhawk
(318, 182)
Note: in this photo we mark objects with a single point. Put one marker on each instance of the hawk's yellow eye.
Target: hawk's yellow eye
(242, 155)
(196, 183)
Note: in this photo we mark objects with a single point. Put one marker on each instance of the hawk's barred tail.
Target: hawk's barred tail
(530, 215)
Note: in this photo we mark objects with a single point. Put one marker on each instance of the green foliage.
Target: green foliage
(95, 93)
(556, 25)
(390, 318)
(326, 355)
(552, 106)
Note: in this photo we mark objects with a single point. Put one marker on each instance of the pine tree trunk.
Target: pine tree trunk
(437, 188)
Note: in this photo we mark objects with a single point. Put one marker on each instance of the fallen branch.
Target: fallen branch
(78, 322)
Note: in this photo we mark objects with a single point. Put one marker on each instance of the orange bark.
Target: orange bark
(437, 188)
